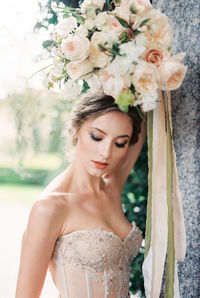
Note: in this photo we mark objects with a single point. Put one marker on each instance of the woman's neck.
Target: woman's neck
(81, 181)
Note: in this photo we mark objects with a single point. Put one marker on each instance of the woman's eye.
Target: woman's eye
(119, 145)
(95, 138)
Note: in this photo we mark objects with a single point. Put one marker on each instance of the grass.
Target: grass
(39, 161)
(23, 194)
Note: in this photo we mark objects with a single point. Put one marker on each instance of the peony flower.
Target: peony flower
(76, 48)
(172, 73)
(156, 55)
(99, 3)
(112, 84)
(132, 52)
(145, 78)
(100, 20)
(138, 6)
(113, 24)
(128, 6)
(159, 30)
(66, 26)
(89, 24)
(147, 100)
(58, 70)
(82, 31)
(92, 3)
(97, 56)
(77, 70)
(71, 90)
(95, 87)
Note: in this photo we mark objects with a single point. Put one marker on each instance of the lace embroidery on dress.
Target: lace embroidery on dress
(103, 254)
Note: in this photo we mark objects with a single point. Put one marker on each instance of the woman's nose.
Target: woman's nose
(106, 150)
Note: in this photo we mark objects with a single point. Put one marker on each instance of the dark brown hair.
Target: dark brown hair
(88, 107)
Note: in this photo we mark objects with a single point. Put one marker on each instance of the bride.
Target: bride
(77, 227)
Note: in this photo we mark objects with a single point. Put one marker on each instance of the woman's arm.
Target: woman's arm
(119, 176)
(132, 155)
(44, 226)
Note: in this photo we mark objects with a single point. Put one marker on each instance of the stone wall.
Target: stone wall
(185, 18)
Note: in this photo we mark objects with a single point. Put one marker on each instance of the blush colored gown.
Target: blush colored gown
(94, 263)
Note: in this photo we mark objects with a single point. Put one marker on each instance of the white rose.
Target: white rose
(132, 52)
(76, 48)
(172, 73)
(82, 31)
(66, 26)
(58, 70)
(112, 84)
(97, 56)
(95, 87)
(145, 77)
(85, 5)
(89, 24)
(112, 24)
(147, 100)
(99, 3)
(100, 20)
(71, 90)
(159, 31)
(77, 70)
(138, 6)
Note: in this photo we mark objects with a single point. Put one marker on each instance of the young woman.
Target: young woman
(77, 227)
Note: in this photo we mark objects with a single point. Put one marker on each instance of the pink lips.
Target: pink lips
(99, 164)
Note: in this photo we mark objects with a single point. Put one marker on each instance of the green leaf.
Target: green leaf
(97, 11)
(124, 99)
(124, 37)
(144, 22)
(47, 43)
(85, 87)
(79, 19)
(122, 22)
(136, 32)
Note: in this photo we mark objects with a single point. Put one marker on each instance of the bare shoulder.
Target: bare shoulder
(47, 214)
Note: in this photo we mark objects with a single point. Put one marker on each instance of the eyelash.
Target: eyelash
(99, 139)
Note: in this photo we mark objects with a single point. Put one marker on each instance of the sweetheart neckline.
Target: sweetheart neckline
(103, 230)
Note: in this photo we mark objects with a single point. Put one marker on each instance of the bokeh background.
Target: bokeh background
(33, 137)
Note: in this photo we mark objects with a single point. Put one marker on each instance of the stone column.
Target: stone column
(185, 16)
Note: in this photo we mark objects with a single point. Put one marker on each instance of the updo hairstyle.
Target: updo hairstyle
(88, 107)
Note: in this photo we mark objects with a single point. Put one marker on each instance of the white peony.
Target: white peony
(71, 90)
(98, 57)
(89, 24)
(147, 100)
(58, 70)
(112, 24)
(77, 70)
(100, 20)
(99, 3)
(66, 26)
(76, 48)
(95, 87)
(82, 31)
(132, 52)
(112, 84)
(145, 77)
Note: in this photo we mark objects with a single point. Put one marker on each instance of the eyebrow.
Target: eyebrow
(124, 136)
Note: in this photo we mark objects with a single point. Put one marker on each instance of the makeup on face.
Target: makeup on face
(103, 141)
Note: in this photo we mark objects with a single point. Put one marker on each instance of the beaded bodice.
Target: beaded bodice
(94, 263)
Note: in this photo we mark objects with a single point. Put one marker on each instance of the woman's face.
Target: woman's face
(103, 142)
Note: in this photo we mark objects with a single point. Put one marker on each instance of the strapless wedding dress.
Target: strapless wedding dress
(94, 263)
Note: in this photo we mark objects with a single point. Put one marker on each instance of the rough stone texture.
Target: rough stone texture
(184, 18)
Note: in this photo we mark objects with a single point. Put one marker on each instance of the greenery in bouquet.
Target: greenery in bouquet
(120, 48)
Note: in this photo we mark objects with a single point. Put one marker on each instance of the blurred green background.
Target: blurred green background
(33, 151)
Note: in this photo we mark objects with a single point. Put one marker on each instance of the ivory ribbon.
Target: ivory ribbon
(165, 232)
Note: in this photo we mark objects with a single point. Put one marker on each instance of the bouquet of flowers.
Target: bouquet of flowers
(120, 48)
